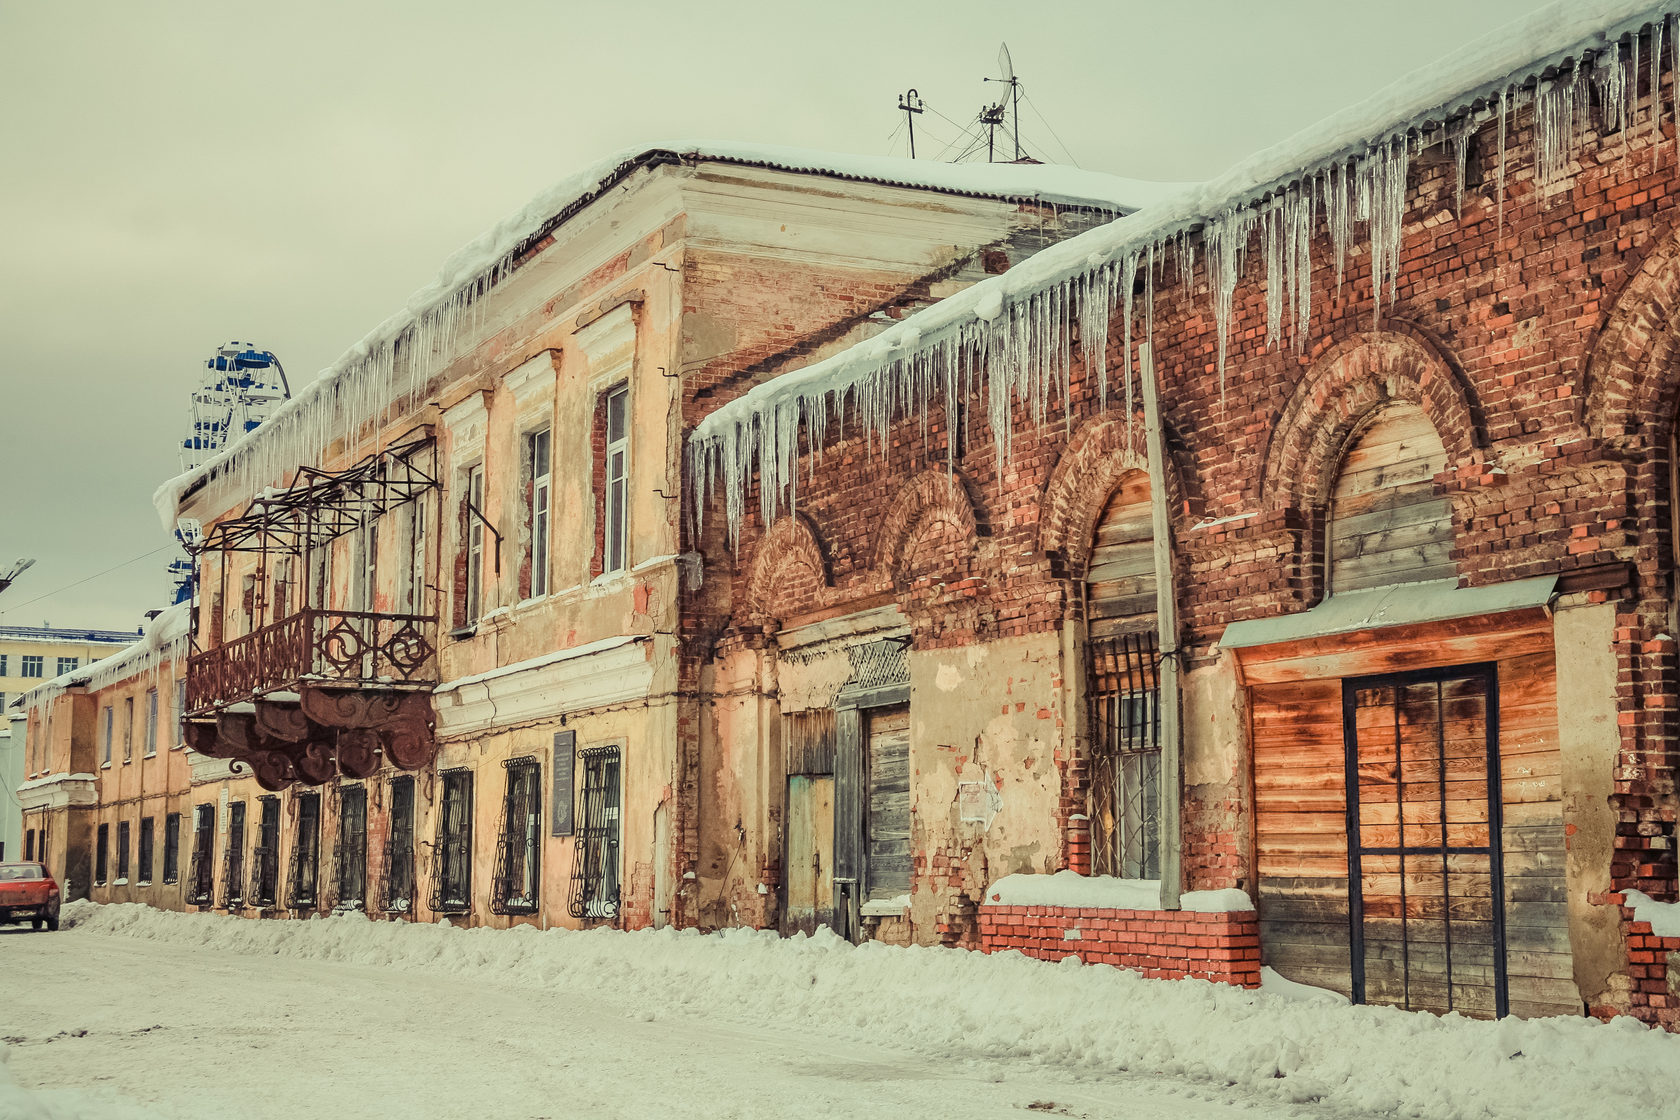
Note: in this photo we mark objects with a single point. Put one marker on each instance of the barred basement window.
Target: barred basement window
(233, 864)
(351, 854)
(265, 859)
(172, 848)
(452, 857)
(398, 895)
(122, 852)
(595, 871)
(146, 850)
(102, 856)
(1125, 757)
(303, 877)
(202, 874)
(519, 850)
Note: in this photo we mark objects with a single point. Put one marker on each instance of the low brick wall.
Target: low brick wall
(1654, 967)
(1162, 944)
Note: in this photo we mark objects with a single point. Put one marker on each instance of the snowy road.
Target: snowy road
(141, 1014)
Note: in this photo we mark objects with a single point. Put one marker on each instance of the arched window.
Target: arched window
(1387, 523)
(1122, 665)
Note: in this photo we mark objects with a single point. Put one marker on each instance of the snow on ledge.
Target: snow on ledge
(1075, 891)
(1663, 916)
(600, 646)
(886, 907)
(56, 779)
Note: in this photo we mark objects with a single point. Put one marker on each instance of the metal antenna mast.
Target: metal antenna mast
(1007, 69)
(910, 104)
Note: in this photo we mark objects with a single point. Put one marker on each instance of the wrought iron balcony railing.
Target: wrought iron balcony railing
(315, 647)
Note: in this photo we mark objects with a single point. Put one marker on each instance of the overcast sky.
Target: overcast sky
(173, 176)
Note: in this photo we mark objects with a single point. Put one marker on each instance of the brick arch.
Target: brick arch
(789, 571)
(1350, 381)
(1632, 374)
(1098, 456)
(933, 495)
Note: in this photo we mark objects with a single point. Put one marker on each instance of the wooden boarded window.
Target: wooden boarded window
(1121, 667)
(1387, 523)
(887, 862)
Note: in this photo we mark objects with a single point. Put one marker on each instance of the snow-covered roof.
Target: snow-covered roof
(161, 638)
(1018, 319)
(433, 313)
(66, 635)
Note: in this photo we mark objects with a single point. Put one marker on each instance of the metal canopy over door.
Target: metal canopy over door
(1425, 877)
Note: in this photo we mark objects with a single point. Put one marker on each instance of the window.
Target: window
(265, 860)
(519, 848)
(283, 580)
(122, 852)
(536, 513)
(364, 553)
(68, 665)
(33, 665)
(180, 712)
(452, 884)
(233, 862)
(248, 602)
(102, 855)
(352, 848)
(320, 577)
(201, 875)
(151, 723)
(110, 732)
(475, 545)
(146, 851)
(1387, 523)
(2, 705)
(128, 729)
(302, 882)
(172, 848)
(411, 564)
(595, 871)
(3, 666)
(29, 844)
(617, 472)
(399, 848)
(1121, 671)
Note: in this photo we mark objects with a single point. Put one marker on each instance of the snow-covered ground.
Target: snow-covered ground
(138, 1013)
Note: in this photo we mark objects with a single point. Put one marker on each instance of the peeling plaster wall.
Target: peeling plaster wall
(1215, 821)
(741, 792)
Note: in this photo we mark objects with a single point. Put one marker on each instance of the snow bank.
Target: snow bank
(369, 376)
(1067, 888)
(1011, 336)
(1663, 916)
(1077, 1020)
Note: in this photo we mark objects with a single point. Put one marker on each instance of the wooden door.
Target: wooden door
(887, 822)
(1424, 861)
(809, 859)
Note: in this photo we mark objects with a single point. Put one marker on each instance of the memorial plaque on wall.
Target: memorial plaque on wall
(565, 761)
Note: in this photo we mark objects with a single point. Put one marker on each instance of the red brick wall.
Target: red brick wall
(1161, 944)
(1654, 968)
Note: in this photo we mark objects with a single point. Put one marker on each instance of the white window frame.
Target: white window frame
(474, 544)
(151, 722)
(36, 661)
(128, 730)
(68, 665)
(180, 712)
(615, 547)
(539, 513)
(412, 571)
(110, 733)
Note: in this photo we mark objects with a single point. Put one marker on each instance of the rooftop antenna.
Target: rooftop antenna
(1006, 68)
(910, 104)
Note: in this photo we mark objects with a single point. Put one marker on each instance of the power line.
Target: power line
(1047, 124)
(86, 579)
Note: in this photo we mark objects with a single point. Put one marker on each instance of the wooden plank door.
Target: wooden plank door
(1424, 861)
(809, 858)
(887, 822)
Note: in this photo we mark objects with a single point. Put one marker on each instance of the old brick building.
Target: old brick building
(1418, 397)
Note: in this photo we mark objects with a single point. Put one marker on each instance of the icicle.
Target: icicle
(1461, 137)
(1656, 85)
(1224, 240)
(1499, 175)
(1128, 281)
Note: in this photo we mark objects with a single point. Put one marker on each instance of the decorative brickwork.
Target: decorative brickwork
(788, 571)
(1161, 944)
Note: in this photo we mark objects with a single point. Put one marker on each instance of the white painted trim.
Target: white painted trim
(58, 791)
(609, 671)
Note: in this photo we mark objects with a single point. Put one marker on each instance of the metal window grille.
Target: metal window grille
(452, 855)
(519, 848)
(398, 894)
(202, 872)
(265, 858)
(172, 848)
(122, 851)
(1125, 756)
(303, 876)
(595, 870)
(147, 849)
(350, 854)
(102, 855)
(233, 863)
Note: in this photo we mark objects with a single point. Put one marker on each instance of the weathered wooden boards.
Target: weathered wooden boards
(810, 853)
(1120, 582)
(887, 863)
(1387, 523)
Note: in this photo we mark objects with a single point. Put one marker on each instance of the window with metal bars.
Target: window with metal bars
(452, 855)
(265, 858)
(595, 869)
(233, 862)
(303, 876)
(350, 855)
(146, 850)
(102, 855)
(398, 894)
(201, 873)
(1125, 756)
(172, 848)
(122, 852)
(519, 847)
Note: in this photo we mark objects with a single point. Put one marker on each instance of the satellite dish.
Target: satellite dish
(1005, 67)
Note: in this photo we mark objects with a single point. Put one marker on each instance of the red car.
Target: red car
(28, 893)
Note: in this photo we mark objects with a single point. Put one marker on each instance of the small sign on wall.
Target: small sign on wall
(565, 762)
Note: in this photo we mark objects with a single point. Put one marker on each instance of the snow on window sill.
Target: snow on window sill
(179, 747)
(144, 883)
(149, 754)
(120, 883)
(104, 765)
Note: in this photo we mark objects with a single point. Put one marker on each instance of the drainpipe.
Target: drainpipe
(1166, 621)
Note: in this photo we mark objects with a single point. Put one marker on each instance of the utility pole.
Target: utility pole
(991, 116)
(10, 575)
(910, 104)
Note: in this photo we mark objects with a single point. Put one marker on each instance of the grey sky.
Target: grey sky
(173, 176)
